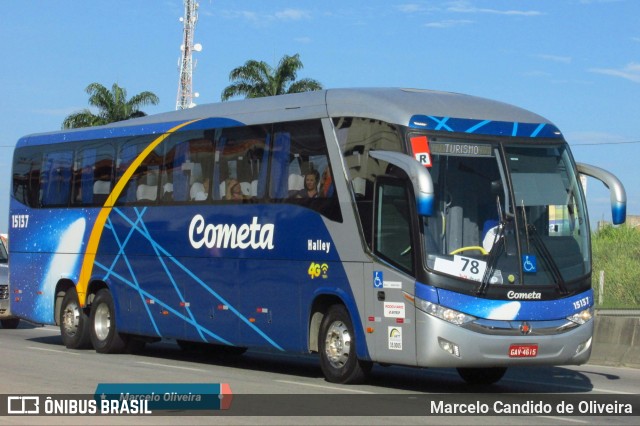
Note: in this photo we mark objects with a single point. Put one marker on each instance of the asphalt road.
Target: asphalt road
(289, 389)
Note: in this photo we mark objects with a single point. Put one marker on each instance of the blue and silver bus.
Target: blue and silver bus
(391, 226)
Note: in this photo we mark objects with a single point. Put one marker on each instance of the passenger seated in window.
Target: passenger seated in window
(310, 189)
(200, 190)
(234, 190)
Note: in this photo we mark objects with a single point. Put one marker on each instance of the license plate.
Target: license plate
(523, 351)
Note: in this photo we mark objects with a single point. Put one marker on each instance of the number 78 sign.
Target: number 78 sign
(469, 268)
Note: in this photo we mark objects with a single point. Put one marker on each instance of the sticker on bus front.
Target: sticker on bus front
(378, 281)
(529, 264)
(395, 338)
(420, 148)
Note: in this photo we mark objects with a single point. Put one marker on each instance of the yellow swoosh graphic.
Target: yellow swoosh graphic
(101, 220)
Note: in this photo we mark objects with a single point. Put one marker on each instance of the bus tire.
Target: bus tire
(482, 376)
(10, 323)
(338, 359)
(74, 322)
(104, 334)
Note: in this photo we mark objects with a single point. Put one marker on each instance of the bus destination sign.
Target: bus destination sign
(460, 149)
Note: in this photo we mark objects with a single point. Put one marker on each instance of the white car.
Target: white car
(6, 319)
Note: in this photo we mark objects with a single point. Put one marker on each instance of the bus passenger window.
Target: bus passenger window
(26, 176)
(93, 174)
(147, 188)
(175, 184)
(102, 184)
(240, 169)
(142, 186)
(56, 178)
(187, 168)
(300, 170)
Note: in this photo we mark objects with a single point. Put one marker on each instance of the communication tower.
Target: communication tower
(185, 82)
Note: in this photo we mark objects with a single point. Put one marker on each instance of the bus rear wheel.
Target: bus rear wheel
(104, 335)
(74, 322)
(338, 359)
(482, 376)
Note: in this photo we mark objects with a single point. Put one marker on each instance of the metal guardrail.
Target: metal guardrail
(618, 312)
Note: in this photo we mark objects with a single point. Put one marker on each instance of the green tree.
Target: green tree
(112, 106)
(256, 79)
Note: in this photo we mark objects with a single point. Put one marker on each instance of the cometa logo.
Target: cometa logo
(254, 235)
(533, 295)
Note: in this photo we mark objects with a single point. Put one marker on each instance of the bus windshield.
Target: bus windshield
(506, 215)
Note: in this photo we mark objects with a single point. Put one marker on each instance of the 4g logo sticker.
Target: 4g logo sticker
(318, 270)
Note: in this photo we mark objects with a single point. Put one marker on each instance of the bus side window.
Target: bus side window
(56, 178)
(200, 170)
(175, 182)
(392, 233)
(142, 186)
(300, 158)
(278, 183)
(187, 167)
(93, 174)
(26, 176)
(240, 172)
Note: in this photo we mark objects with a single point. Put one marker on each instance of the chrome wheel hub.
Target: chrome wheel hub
(338, 344)
(102, 321)
(71, 319)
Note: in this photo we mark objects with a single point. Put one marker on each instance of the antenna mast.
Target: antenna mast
(185, 82)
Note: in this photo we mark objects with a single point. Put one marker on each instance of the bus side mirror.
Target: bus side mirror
(618, 194)
(418, 174)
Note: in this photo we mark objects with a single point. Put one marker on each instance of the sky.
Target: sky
(575, 62)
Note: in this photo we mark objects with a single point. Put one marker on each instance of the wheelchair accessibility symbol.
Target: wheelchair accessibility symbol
(529, 264)
(378, 281)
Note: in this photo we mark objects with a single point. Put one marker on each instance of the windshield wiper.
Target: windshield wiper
(547, 257)
(497, 248)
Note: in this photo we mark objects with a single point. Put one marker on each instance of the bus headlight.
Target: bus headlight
(582, 316)
(447, 314)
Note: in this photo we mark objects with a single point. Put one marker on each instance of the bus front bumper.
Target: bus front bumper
(442, 344)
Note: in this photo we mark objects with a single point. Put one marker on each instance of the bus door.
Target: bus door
(390, 280)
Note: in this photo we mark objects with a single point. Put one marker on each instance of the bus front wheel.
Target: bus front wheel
(482, 376)
(74, 322)
(337, 348)
(104, 335)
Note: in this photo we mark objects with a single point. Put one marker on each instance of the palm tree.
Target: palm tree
(256, 79)
(112, 106)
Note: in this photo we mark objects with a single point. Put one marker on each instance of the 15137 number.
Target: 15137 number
(19, 220)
